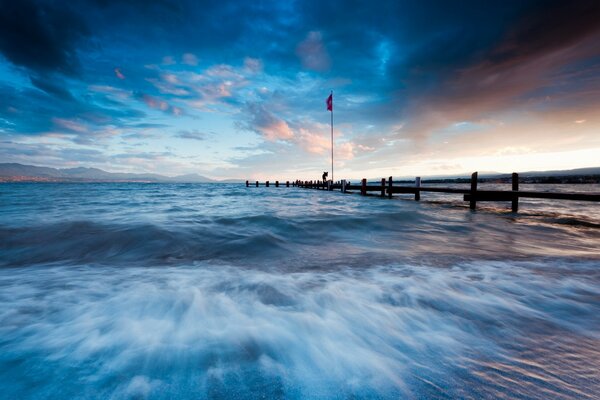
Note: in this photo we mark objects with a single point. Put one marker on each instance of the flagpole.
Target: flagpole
(332, 137)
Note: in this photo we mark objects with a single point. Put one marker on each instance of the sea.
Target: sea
(218, 291)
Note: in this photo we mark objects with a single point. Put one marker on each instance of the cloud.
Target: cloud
(253, 65)
(53, 86)
(159, 104)
(263, 122)
(314, 139)
(70, 125)
(189, 59)
(192, 135)
(312, 52)
(531, 61)
(41, 36)
(119, 74)
(168, 60)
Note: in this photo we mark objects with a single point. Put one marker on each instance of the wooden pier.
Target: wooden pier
(386, 188)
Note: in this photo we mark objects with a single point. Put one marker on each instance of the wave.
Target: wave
(475, 330)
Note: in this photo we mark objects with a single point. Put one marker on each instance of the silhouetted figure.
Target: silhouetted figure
(325, 174)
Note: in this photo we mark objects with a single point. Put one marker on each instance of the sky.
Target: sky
(232, 89)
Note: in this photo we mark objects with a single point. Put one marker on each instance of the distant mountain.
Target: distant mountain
(21, 172)
(578, 171)
(591, 171)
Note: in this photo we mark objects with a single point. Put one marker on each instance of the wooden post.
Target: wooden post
(382, 187)
(276, 183)
(256, 183)
(417, 185)
(363, 188)
(247, 184)
(267, 184)
(390, 187)
(515, 188)
(287, 183)
(343, 186)
(473, 202)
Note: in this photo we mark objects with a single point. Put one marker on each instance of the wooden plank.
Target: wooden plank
(473, 201)
(515, 188)
(444, 190)
(491, 195)
(404, 189)
(417, 185)
(507, 195)
(368, 188)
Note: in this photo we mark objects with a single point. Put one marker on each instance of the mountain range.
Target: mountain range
(14, 172)
(31, 173)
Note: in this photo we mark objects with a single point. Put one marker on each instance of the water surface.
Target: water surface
(220, 291)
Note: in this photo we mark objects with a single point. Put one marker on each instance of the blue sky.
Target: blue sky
(238, 89)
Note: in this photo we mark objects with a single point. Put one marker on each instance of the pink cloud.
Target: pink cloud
(162, 105)
(316, 140)
(155, 103)
(277, 130)
(70, 125)
(119, 74)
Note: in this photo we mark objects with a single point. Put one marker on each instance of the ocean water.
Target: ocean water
(161, 291)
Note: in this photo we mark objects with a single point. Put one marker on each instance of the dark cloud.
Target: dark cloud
(52, 86)
(193, 135)
(41, 35)
(543, 30)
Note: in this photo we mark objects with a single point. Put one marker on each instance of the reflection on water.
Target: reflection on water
(218, 291)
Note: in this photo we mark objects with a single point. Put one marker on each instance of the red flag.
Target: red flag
(330, 103)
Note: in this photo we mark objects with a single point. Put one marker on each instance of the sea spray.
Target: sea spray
(221, 291)
(387, 331)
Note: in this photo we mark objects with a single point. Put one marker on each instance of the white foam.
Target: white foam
(160, 332)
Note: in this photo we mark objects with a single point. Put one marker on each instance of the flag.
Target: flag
(330, 103)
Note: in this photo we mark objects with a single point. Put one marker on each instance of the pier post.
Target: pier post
(418, 186)
(390, 187)
(515, 188)
(267, 184)
(363, 187)
(473, 202)
(343, 186)
(287, 183)
(276, 183)
(382, 187)
(247, 184)
(256, 183)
